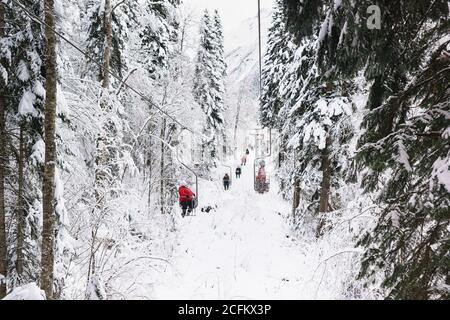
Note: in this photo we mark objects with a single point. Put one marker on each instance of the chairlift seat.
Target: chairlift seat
(262, 187)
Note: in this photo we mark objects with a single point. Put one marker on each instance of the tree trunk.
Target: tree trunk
(224, 147)
(282, 152)
(163, 135)
(108, 44)
(183, 35)
(48, 190)
(3, 248)
(325, 186)
(326, 179)
(102, 148)
(236, 124)
(150, 176)
(296, 200)
(101, 159)
(20, 210)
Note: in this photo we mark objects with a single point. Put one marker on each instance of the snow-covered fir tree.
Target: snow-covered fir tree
(314, 108)
(24, 92)
(401, 129)
(125, 18)
(219, 49)
(160, 35)
(406, 149)
(209, 87)
(278, 57)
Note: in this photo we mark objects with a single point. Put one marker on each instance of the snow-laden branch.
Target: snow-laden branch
(148, 3)
(125, 80)
(352, 250)
(334, 255)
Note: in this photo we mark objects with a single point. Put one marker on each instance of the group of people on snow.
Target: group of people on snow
(188, 198)
(238, 172)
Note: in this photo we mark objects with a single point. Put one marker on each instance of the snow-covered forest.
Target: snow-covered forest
(336, 112)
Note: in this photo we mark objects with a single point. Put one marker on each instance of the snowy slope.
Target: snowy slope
(242, 52)
(245, 249)
(239, 251)
(241, 46)
(27, 292)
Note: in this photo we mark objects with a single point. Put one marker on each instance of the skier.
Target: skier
(238, 172)
(247, 151)
(244, 160)
(187, 198)
(226, 182)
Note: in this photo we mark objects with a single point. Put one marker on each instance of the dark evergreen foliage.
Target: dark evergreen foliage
(209, 85)
(161, 36)
(124, 17)
(404, 149)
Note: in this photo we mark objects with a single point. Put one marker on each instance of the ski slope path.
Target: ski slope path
(242, 250)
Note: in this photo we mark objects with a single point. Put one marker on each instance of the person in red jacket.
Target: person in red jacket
(187, 198)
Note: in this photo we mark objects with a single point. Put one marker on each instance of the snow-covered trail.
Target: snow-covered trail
(240, 251)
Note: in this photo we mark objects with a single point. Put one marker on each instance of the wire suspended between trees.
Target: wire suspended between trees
(122, 82)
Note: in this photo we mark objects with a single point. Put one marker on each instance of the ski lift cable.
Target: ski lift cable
(76, 47)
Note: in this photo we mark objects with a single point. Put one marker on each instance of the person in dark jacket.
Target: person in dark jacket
(187, 198)
(226, 182)
(238, 172)
(247, 152)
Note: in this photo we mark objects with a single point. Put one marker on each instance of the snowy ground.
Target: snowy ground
(241, 251)
(245, 249)
(27, 292)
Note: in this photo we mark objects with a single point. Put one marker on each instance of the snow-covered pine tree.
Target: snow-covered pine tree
(208, 89)
(108, 147)
(124, 18)
(24, 93)
(296, 68)
(406, 149)
(220, 75)
(23, 46)
(160, 35)
(221, 65)
(302, 16)
(3, 162)
(159, 41)
(278, 57)
(201, 88)
(404, 61)
(316, 108)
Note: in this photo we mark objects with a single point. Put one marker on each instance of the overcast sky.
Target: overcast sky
(232, 11)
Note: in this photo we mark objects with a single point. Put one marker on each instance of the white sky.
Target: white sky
(232, 11)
